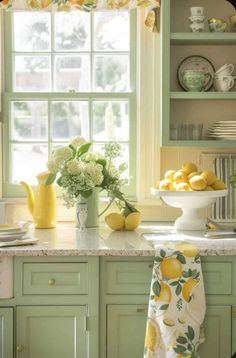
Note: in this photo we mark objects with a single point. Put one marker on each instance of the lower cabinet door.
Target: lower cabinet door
(51, 332)
(126, 326)
(6, 332)
(217, 330)
(126, 329)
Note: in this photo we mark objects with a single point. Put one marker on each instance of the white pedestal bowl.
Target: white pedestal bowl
(190, 202)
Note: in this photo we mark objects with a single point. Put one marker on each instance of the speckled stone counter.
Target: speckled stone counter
(66, 240)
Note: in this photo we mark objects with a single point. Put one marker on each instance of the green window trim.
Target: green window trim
(14, 190)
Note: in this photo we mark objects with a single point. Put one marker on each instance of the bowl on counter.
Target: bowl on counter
(189, 202)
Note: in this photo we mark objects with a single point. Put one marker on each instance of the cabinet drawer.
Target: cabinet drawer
(128, 277)
(55, 278)
(217, 278)
(135, 277)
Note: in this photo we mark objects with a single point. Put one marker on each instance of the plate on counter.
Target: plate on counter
(196, 63)
(27, 240)
(13, 229)
(11, 236)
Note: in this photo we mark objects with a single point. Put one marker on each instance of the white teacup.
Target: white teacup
(225, 70)
(223, 83)
(197, 10)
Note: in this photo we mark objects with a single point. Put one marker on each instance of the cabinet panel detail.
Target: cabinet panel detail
(6, 332)
(128, 277)
(55, 278)
(217, 330)
(51, 332)
(217, 278)
(126, 326)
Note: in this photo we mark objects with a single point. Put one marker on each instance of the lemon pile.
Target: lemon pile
(117, 221)
(189, 178)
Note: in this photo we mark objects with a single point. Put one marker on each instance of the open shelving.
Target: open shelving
(178, 43)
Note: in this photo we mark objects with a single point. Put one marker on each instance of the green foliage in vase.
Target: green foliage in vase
(78, 170)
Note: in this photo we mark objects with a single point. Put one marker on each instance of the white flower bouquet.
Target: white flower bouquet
(78, 170)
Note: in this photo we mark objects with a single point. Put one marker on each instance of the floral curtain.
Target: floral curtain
(152, 7)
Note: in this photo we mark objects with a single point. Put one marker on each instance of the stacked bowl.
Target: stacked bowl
(197, 19)
(224, 78)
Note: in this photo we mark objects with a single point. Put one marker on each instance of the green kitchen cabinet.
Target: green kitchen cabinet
(68, 307)
(6, 332)
(217, 331)
(125, 330)
(125, 286)
(51, 332)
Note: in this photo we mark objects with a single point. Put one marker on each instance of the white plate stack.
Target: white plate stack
(223, 130)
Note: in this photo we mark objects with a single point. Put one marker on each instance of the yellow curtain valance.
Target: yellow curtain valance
(152, 6)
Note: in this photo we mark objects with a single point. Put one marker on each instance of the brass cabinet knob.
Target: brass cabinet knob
(19, 348)
(51, 281)
(150, 266)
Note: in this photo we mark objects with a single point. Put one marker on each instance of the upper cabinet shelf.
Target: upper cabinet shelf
(203, 95)
(202, 38)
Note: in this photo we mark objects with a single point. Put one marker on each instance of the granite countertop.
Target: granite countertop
(66, 240)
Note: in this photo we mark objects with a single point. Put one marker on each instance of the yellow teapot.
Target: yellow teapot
(43, 205)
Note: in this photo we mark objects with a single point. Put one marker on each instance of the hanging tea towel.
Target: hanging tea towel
(177, 303)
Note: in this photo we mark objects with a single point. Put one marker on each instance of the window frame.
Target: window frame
(14, 190)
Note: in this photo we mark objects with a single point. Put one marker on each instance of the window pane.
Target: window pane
(70, 119)
(28, 160)
(32, 73)
(72, 73)
(72, 31)
(111, 73)
(111, 31)
(110, 120)
(32, 31)
(29, 120)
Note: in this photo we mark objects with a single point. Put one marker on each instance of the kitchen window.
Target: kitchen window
(67, 74)
(60, 106)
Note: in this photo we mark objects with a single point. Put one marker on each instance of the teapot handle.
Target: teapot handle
(209, 79)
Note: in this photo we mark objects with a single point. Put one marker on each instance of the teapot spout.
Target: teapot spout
(30, 197)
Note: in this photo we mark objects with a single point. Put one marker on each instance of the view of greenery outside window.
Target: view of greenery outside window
(67, 74)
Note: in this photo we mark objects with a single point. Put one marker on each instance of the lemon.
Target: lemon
(193, 174)
(170, 174)
(188, 287)
(132, 221)
(165, 294)
(153, 335)
(180, 176)
(171, 268)
(209, 176)
(198, 183)
(189, 168)
(33, 4)
(209, 188)
(180, 356)
(115, 221)
(165, 184)
(169, 322)
(187, 250)
(219, 185)
(45, 3)
(182, 186)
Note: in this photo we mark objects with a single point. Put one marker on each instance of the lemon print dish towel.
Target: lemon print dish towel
(177, 303)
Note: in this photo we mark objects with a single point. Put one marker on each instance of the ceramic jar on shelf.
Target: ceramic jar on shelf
(197, 19)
